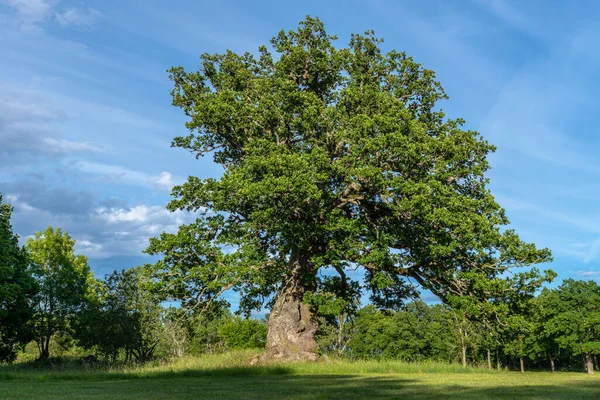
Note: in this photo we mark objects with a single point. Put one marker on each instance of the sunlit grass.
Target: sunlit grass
(235, 362)
(229, 376)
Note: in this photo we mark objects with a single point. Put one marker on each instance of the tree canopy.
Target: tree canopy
(337, 158)
(16, 288)
(64, 280)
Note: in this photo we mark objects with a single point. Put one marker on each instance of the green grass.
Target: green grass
(227, 376)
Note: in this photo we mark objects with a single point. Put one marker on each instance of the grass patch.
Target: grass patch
(227, 376)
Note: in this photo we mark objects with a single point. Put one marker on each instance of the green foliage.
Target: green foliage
(204, 333)
(238, 333)
(126, 316)
(416, 333)
(16, 289)
(335, 303)
(572, 316)
(333, 158)
(64, 281)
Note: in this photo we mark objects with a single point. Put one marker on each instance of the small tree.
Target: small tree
(519, 332)
(465, 333)
(126, 317)
(64, 281)
(175, 335)
(17, 287)
(335, 303)
(546, 334)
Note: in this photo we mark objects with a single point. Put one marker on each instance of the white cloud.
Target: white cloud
(163, 181)
(139, 213)
(89, 248)
(101, 232)
(126, 231)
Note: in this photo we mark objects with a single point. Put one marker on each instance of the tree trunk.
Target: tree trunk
(589, 365)
(498, 366)
(464, 355)
(45, 348)
(522, 365)
(489, 354)
(292, 325)
(551, 363)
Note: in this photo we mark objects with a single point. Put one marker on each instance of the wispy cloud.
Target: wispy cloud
(586, 251)
(79, 18)
(510, 13)
(587, 273)
(27, 127)
(69, 146)
(31, 15)
(114, 173)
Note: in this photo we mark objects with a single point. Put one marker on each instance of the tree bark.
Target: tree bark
(589, 364)
(551, 363)
(464, 355)
(489, 359)
(522, 364)
(45, 348)
(292, 325)
(498, 366)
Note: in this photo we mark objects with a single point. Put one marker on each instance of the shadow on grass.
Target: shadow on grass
(227, 385)
(287, 382)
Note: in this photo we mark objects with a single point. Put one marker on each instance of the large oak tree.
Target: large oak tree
(335, 158)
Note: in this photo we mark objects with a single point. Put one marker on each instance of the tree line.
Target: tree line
(559, 329)
(49, 297)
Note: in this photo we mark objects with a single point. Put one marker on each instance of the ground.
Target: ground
(226, 377)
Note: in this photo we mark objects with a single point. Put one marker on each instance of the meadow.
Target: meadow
(228, 376)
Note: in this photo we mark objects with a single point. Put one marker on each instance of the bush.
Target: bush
(238, 333)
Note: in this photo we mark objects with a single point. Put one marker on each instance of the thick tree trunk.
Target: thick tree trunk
(489, 354)
(551, 363)
(589, 365)
(292, 325)
(522, 364)
(464, 355)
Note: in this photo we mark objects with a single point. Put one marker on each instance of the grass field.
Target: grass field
(227, 377)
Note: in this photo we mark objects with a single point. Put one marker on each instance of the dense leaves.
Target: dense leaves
(64, 281)
(16, 289)
(333, 158)
(124, 316)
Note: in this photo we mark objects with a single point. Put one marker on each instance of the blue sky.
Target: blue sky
(86, 120)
